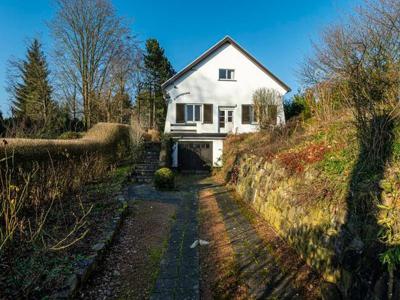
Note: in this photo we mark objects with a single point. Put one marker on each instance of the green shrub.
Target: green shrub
(164, 179)
(297, 106)
(69, 135)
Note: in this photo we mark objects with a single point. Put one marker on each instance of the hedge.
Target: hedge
(103, 138)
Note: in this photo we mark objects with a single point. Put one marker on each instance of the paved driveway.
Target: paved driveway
(179, 272)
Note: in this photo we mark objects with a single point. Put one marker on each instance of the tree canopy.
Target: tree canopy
(156, 70)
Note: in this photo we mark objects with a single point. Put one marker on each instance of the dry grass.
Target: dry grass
(50, 215)
(99, 138)
(295, 146)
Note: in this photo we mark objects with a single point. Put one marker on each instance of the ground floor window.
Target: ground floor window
(193, 112)
(248, 114)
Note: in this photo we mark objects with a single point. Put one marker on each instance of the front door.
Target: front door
(225, 120)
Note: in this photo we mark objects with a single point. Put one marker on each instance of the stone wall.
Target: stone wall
(311, 229)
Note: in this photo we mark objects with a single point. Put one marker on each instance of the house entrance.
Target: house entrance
(225, 120)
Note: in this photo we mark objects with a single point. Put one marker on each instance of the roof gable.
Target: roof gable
(214, 48)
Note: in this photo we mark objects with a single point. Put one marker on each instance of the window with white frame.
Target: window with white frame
(193, 112)
(226, 74)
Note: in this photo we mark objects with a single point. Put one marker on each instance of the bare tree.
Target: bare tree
(267, 107)
(363, 57)
(121, 81)
(88, 36)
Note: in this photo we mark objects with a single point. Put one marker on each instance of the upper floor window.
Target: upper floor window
(226, 74)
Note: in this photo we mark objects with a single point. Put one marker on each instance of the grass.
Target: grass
(296, 147)
(157, 253)
(35, 271)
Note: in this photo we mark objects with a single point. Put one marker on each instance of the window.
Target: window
(180, 113)
(193, 112)
(230, 116)
(208, 113)
(226, 74)
(248, 115)
(189, 113)
(221, 115)
(197, 112)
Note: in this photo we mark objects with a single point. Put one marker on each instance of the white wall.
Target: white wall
(218, 147)
(174, 155)
(202, 86)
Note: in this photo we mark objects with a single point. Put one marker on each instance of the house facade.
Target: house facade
(211, 98)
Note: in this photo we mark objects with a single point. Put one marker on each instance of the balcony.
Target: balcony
(184, 128)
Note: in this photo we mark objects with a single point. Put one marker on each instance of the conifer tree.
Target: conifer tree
(32, 92)
(157, 69)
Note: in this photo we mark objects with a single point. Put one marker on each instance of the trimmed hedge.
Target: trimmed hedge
(164, 179)
(103, 138)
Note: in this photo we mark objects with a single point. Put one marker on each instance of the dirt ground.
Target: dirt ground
(130, 269)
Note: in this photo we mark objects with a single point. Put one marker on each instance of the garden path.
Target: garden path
(179, 275)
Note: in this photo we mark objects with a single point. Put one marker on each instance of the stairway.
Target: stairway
(144, 170)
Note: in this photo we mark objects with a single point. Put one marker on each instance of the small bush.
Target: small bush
(164, 179)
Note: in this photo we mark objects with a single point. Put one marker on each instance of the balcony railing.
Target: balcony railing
(184, 127)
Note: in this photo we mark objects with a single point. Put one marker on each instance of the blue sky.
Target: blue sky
(278, 33)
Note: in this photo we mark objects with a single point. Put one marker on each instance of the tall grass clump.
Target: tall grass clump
(30, 196)
(46, 204)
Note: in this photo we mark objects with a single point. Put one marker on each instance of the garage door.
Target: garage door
(195, 155)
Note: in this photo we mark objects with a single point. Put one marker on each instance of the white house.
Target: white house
(211, 98)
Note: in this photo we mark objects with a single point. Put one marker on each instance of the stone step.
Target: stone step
(150, 159)
(146, 167)
(142, 180)
(151, 152)
(155, 152)
(150, 165)
(143, 177)
(149, 173)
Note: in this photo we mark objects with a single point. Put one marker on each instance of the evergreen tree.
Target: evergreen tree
(157, 69)
(33, 91)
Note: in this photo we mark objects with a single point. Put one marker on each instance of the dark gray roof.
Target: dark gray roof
(210, 51)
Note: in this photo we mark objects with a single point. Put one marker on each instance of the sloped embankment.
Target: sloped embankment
(338, 210)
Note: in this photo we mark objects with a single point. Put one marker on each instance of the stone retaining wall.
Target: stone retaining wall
(310, 229)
